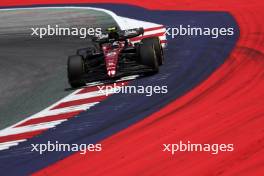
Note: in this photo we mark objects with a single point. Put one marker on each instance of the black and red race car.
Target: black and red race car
(113, 56)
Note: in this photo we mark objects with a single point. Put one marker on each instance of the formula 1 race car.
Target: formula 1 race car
(113, 56)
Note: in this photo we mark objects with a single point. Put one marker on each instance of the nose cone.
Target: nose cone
(111, 73)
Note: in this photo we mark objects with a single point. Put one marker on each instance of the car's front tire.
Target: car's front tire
(76, 71)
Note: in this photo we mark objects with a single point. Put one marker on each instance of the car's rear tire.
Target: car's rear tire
(76, 71)
(157, 46)
(148, 56)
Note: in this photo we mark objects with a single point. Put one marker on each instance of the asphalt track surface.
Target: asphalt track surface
(33, 71)
(189, 62)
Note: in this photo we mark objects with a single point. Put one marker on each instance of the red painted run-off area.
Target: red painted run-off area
(226, 108)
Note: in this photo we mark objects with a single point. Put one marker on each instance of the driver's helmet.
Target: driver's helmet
(113, 33)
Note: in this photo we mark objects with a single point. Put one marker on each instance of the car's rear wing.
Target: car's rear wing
(150, 29)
